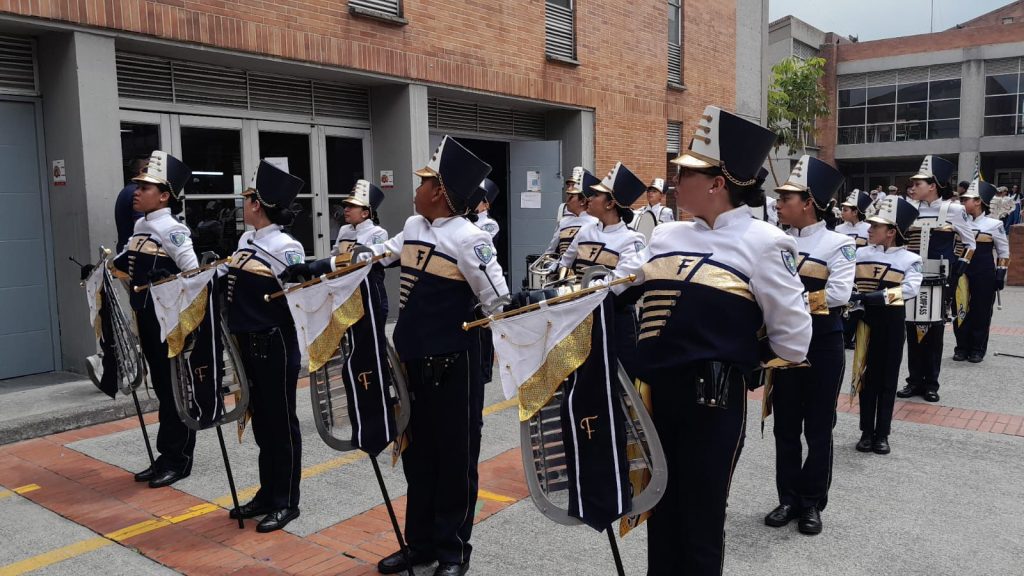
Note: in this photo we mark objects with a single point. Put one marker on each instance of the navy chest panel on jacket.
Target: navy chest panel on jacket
(144, 253)
(249, 278)
(984, 258)
(696, 309)
(434, 301)
(594, 254)
(565, 236)
(943, 241)
(813, 272)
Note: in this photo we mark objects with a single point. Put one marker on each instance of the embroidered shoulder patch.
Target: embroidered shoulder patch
(850, 252)
(484, 252)
(916, 266)
(790, 261)
(490, 228)
(638, 246)
(292, 257)
(178, 238)
(378, 238)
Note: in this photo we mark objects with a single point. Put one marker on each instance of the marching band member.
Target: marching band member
(161, 246)
(448, 265)
(853, 214)
(362, 229)
(577, 191)
(655, 197)
(939, 234)
(986, 273)
(609, 242)
(267, 342)
(483, 220)
(887, 275)
(805, 399)
(708, 287)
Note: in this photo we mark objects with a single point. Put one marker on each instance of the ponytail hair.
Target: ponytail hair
(283, 217)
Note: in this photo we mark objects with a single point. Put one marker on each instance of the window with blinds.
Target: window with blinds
(560, 30)
(675, 42)
(673, 144)
(392, 7)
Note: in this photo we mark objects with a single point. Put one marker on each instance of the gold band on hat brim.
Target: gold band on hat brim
(426, 172)
(353, 201)
(849, 205)
(151, 179)
(600, 187)
(921, 176)
(791, 187)
(691, 159)
(879, 220)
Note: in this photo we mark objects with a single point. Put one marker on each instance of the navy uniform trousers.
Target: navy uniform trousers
(924, 357)
(444, 447)
(804, 401)
(686, 532)
(174, 441)
(271, 360)
(882, 371)
(972, 334)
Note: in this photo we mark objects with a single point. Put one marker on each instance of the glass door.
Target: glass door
(141, 134)
(346, 159)
(212, 148)
(291, 148)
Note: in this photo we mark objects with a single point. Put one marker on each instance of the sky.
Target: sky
(875, 19)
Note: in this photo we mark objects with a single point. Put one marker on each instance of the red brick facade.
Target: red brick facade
(495, 46)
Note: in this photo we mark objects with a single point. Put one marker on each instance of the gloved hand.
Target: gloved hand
(86, 270)
(876, 298)
(158, 274)
(956, 272)
(295, 273)
(1000, 279)
(525, 297)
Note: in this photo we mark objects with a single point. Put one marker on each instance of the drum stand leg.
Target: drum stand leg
(615, 550)
(142, 424)
(391, 514)
(231, 478)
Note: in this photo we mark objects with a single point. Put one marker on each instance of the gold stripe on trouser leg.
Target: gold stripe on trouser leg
(860, 357)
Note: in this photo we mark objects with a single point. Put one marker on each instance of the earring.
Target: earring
(711, 190)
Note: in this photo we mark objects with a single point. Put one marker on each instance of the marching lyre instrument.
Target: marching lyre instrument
(330, 275)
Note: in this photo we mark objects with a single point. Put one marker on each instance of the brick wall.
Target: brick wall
(1015, 274)
(494, 46)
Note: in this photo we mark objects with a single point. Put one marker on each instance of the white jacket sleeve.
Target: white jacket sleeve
(478, 263)
(178, 245)
(779, 292)
(842, 267)
(911, 285)
(958, 218)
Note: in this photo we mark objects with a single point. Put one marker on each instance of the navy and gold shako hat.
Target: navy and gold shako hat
(622, 185)
(365, 195)
(490, 190)
(459, 171)
(166, 170)
(936, 168)
(816, 177)
(723, 140)
(582, 182)
(273, 187)
(980, 189)
(895, 211)
(858, 200)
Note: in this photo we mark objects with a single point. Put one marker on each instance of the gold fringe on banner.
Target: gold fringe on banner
(326, 344)
(190, 319)
(860, 357)
(562, 360)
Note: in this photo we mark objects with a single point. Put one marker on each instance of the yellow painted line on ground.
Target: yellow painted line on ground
(19, 490)
(488, 495)
(88, 545)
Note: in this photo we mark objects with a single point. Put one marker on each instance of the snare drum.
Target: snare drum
(542, 271)
(929, 304)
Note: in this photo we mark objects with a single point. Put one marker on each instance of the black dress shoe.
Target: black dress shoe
(277, 519)
(931, 396)
(866, 440)
(396, 563)
(908, 391)
(880, 445)
(781, 516)
(451, 569)
(810, 521)
(959, 356)
(146, 475)
(251, 509)
(974, 358)
(166, 478)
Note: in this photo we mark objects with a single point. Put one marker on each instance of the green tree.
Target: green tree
(796, 99)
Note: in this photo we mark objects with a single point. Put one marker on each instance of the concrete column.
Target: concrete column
(399, 129)
(972, 115)
(575, 128)
(78, 79)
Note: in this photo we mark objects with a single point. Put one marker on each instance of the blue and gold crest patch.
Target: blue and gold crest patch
(850, 252)
(378, 238)
(293, 257)
(178, 238)
(790, 261)
(484, 252)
